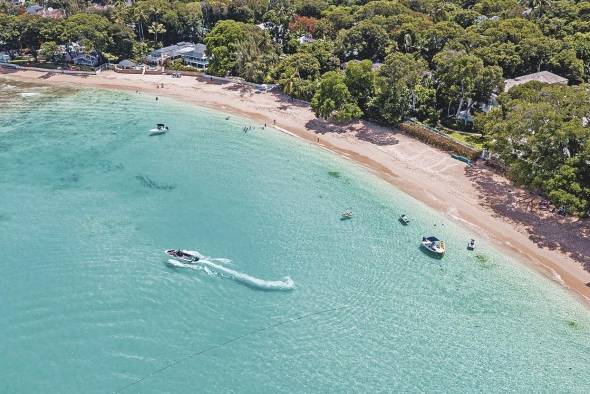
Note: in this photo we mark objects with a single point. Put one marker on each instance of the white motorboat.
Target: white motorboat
(471, 245)
(346, 215)
(404, 220)
(160, 129)
(186, 256)
(434, 245)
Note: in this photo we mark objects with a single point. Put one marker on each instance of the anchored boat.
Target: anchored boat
(160, 129)
(404, 219)
(434, 245)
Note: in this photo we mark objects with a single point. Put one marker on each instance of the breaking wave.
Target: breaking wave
(245, 279)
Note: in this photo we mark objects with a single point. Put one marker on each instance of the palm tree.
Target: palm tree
(140, 17)
(289, 83)
(156, 28)
(247, 52)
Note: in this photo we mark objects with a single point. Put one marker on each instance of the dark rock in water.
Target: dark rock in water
(151, 184)
(107, 166)
(72, 178)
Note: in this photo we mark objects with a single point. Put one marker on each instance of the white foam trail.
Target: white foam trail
(29, 94)
(285, 284)
(220, 260)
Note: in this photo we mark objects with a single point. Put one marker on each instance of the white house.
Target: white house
(4, 57)
(191, 54)
(543, 76)
(197, 57)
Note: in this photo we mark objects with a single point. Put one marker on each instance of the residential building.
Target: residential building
(4, 57)
(197, 57)
(91, 59)
(191, 54)
(306, 39)
(543, 76)
(48, 12)
(126, 64)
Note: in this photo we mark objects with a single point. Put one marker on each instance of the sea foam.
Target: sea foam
(248, 280)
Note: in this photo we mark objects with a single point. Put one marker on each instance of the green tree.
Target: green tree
(541, 132)
(155, 29)
(398, 80)
(463, 79)
(366, 40)
(240, 49)
(360, 80)
(333, 100)
(48, 50)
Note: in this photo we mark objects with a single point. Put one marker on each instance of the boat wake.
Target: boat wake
(212, 268)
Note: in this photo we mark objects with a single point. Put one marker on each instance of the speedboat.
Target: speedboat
(471, 245)
(160, 129)
(434, 245)
(187, 256)
(346, 215)
(404, 220)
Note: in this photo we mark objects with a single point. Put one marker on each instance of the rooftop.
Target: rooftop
(543, 76)
(172, 51)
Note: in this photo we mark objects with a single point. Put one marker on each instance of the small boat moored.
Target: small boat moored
(404, 219)
(160, 129)
(434, 245)
(346, 215)
(187, 256)
(471, 245)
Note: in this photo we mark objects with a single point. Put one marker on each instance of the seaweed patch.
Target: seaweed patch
(572, 323)
(334, 174)
(146, 181)
(483, 261)
(72, 178)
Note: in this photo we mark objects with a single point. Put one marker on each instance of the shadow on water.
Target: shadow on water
(147, 182)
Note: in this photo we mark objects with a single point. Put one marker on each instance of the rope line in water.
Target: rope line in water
(220, 345)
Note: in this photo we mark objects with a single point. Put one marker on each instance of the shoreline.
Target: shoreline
(402, 164)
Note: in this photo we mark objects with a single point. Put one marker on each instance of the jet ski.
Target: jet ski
(186, 256)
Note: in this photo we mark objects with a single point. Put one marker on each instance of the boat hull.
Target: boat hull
(186, 256)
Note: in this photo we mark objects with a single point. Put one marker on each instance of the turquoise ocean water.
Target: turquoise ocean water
(88, 305)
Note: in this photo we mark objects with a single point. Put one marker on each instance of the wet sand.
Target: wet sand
(401, 160)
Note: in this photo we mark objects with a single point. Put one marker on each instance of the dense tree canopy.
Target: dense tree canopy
(542, 132)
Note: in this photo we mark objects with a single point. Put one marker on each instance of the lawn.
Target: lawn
(472, 139)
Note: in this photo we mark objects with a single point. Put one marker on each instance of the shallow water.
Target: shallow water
(89, 303)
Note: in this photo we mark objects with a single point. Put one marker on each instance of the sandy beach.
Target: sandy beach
(402, 161)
